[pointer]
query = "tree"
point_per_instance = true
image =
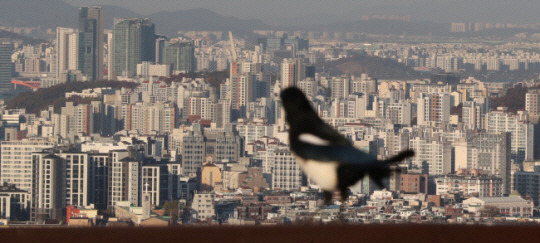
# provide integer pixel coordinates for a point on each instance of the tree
(36, 101)
(514, 99)
(172, 208)
(489, 211)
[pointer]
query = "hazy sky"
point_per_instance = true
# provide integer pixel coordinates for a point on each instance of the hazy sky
(280, 11)
(240, 8)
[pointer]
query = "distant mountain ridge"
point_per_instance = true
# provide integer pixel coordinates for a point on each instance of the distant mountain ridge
(14, 36)
(203, 19)
(57, 13)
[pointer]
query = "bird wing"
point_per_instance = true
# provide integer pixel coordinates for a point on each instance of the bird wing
(313, 139)
(323, 132)
(335, 153)
(319, 141)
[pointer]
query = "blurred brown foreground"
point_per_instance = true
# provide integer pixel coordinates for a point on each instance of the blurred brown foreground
(282, 234)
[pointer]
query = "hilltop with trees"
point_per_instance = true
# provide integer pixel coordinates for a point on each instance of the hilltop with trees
(36, 101)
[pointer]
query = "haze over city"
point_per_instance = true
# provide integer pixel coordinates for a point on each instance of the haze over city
(308, 12)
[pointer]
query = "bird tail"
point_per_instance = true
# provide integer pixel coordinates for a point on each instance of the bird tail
(383, 170)
(399, 157)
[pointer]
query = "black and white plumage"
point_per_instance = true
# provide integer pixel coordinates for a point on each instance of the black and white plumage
(326, 156)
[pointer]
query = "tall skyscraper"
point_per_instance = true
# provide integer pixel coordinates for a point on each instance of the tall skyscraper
(78, 119)
(181, 55)
(67, 45)
(48, 186)
(433, 109)
(160, 50)
(77, 178)
(532, 102)
(242, 92)
(521, 132)
(123, 178)
(244, 79)
(6, 50)
(91, 39)
(341, 87)
(99, 182)
(134, 42)
(110, 50)
(293, 70)
(194, 151)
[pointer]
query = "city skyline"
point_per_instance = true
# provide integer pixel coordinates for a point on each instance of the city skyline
(109, 122)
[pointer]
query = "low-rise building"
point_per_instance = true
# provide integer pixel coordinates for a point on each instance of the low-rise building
(14, 203)
(506, 206)
(479, 186)
(203, 205)
(414, 183)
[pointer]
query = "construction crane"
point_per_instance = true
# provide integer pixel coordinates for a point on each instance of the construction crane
(233, 50)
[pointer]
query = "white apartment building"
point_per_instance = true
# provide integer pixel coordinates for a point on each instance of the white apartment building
(201, 106)
(480, 186)
(160, 117)
(309, 87)
(151, 183)
(433, 109)
(522, 132)
(532, 102)
(340, 87)
(434, 157)
(77, 178)
(203, 204)
(67, 50)
(473, 115)
(223, 112)
(16, 161)
(252, 132)
(243, 90)
(286, 173)
(363, 84)
(293, 70)
(147, 69)
(123, 179)
(357, 105)
(489, 152)
(353, 106)
(399, 113)
(48, 187)
(76, 119)
(13, 200)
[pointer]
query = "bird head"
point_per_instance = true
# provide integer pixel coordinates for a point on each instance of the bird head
(295, 102)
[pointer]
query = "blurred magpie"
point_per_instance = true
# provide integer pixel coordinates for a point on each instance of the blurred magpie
(326, 156)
